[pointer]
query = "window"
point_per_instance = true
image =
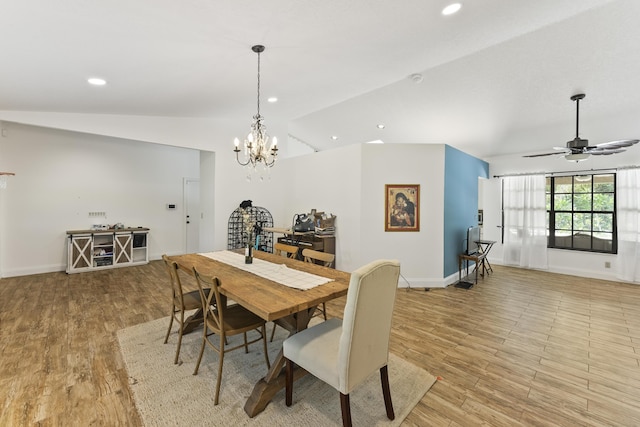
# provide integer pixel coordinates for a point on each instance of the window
(581, 212)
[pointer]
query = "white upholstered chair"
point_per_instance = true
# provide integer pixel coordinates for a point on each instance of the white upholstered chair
(343, 353)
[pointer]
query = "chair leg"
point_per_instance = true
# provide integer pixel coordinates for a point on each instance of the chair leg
(219, 379)
(175, 361)
(386, 392)
(246, 346)
(180, 331)
(166, 338)
(288, 382)
(204, 342)
(345, 405)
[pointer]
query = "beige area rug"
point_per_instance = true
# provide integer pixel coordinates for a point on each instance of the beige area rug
(167, 394)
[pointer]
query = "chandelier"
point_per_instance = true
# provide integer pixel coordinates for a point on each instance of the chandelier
(255, 144)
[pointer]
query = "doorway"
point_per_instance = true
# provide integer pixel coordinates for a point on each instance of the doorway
(191, 191)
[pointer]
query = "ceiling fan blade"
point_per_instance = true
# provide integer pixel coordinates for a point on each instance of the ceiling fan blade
(545, 154)
(605, 152)
(578, 149)
(617, 144)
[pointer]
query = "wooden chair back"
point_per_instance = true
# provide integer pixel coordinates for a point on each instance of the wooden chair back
(176, 284)
(181, 302)
(210, 303)
(325, 258)
(288, 250)
(222, 321)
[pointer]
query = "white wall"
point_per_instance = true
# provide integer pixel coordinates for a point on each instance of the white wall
(420, 253)
(232, 187)
(61, 176)
(577, 263)
(188, 132)
(64, 175)
(349, 182)
(328, 181)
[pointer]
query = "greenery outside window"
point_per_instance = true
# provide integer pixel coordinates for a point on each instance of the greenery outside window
(581, 212)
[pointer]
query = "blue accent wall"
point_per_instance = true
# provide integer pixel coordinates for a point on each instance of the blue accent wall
(461, 173)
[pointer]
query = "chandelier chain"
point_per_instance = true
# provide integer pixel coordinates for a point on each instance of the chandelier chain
(258, 83)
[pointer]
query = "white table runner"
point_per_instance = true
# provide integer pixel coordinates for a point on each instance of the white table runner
(279, 273)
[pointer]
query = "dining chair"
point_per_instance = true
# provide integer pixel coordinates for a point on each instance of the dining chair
(290, 251)
(325, 259)
(225, 321)
(180, 302)
(343, 353)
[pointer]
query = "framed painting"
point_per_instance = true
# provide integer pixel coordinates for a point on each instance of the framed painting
(402, 207)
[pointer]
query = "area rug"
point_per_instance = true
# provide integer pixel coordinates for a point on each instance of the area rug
(167, 394)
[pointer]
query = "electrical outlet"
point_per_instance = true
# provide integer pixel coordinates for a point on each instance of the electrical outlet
(607, 264)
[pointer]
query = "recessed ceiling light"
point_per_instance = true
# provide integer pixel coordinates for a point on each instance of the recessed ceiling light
(272, 99)
(334, 137)
(97, 81)
(451, 9)
(376, 141)
(380, 126)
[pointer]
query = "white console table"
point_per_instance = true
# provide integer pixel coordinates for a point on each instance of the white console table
(89, 250)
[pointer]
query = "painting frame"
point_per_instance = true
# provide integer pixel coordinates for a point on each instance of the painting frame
(399, 201)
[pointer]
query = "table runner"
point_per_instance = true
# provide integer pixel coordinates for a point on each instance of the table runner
(279, 273)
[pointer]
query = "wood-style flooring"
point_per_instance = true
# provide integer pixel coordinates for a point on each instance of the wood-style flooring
(519, 348)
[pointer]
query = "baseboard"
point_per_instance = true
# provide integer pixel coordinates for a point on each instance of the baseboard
(27, 271)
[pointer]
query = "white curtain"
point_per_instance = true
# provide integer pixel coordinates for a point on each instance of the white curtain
(525, 223)
(628, 209)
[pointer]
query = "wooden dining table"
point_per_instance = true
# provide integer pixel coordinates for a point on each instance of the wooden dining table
(288, 307)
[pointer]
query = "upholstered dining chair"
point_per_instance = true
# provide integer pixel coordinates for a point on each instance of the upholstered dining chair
(325, 259)
(180, 302)
(343, 353)
(225, 321)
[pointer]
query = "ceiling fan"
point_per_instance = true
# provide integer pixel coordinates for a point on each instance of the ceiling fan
(578, 149)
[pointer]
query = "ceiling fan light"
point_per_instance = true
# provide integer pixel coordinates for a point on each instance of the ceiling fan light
(577, 157)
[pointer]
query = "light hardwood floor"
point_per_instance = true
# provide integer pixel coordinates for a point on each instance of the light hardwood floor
(519, 348)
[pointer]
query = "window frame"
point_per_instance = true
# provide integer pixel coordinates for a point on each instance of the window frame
(550, 193)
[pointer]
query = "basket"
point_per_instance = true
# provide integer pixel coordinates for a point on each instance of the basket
(326, 222)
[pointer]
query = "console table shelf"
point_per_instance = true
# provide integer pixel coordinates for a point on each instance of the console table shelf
(90, 250)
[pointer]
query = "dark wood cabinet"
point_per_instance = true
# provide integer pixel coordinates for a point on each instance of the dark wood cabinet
(311, 241)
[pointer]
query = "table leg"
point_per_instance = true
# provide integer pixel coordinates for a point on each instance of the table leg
(489, 269)
(192, 322)
(274, 381)
(476, 270)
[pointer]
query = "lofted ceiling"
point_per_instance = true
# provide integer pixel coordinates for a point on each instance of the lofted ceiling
(492, 75)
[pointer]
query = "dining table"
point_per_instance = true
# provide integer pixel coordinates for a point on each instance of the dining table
(284, 304)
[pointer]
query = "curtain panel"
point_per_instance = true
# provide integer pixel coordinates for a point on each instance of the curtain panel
(628, 220)
(525, 221)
